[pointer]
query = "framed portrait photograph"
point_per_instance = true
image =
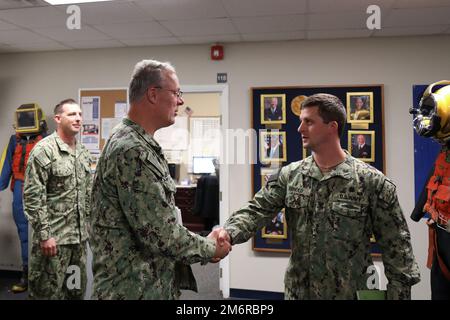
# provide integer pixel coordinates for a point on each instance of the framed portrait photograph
(274, 236)
(360, 107)
(361, 145)
(276, 229)
(272, 146)
(273, 108)
(266, 173)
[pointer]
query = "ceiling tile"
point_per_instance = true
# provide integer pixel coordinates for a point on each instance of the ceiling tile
(338, 34)
(417, 17)
(331, 6)
(156, 41)
(11, 4)
(409, 31)
(270, 24)
(40, 46)
(241, 8)
(20, 36)
(185, 10)
(42, 17)
(295, 35)
(134, 30)
(420, 3)
(91, 44)
(112, 12)
(343, 20)
(167, 22)
(10, 50)
(5, 48)
(211, 39)
(7, 26)
(85, 33)
(199, 27)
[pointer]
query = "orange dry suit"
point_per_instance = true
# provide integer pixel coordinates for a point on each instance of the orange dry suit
(438, 206)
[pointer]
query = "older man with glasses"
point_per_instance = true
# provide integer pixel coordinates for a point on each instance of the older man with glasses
(141, 250)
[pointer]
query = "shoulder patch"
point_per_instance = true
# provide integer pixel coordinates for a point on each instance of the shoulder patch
(149, 160)
(388, 192)
(274, 177)
(42, 158)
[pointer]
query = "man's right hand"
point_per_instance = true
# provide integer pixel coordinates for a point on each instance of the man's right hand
(223, 245)
(220, 235)
(48, 247)
(221, 251)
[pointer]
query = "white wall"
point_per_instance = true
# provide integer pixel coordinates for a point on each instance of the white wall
(398, 63)
(203, 104)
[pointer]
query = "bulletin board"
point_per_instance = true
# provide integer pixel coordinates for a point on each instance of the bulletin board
(275, 118)
(109, 106)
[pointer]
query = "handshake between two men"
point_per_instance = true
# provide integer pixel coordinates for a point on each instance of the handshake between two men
(223, 243)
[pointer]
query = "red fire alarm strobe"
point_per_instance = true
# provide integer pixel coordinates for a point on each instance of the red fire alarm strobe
(217, 52)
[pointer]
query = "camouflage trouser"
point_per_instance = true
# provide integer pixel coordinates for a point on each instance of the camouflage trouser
(50, 278)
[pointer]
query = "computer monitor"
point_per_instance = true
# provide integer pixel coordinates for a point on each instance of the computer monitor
(203, 165)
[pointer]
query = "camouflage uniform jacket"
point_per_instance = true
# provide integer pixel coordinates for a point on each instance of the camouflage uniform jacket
(330, 219)
(139, 249)
(57, 191)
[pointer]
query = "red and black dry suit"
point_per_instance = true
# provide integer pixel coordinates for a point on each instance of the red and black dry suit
(12, 168)
(435, 200)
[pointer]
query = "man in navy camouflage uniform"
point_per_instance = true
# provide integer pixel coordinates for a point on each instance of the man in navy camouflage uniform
(57, 192)
(333, 203)
(140, 249)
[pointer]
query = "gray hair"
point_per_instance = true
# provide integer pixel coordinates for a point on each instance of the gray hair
(147, 73)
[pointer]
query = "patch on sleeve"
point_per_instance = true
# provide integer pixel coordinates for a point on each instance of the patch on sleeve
(152, 163)
(42, 159)
(387, 194)
(273, 178)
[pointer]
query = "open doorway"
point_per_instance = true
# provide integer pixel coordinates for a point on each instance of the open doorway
(206, 108)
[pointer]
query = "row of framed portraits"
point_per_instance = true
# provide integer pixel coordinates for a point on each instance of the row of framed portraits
(273, 146)
(275, 116)
(360, 108)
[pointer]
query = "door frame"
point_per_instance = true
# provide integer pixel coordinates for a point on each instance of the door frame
(222, 89)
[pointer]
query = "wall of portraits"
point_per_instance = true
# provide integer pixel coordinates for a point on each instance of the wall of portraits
(275, 117)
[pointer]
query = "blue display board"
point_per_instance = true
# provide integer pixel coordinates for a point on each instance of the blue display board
(425, 149)
(280, 127)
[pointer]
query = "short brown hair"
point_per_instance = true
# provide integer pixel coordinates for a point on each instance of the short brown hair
(59, 106)
(330, 109)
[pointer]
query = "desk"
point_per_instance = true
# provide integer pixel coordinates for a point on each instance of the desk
(185, 200)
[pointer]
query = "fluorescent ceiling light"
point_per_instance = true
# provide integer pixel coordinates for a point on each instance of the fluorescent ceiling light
(57, 2)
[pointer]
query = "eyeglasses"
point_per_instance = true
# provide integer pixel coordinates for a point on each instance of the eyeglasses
(178, 93)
